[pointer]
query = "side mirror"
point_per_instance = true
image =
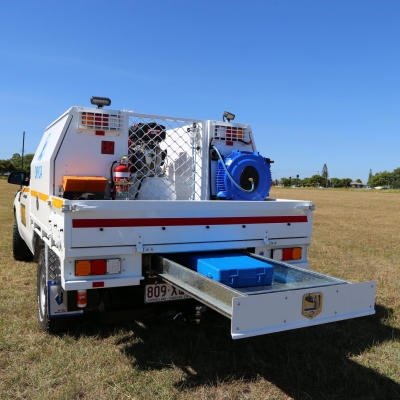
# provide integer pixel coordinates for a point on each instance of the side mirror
(18, 178)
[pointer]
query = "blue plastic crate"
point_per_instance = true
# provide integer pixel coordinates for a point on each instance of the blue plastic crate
(231, 268)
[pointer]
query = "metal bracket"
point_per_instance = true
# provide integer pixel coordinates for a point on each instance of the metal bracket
(266, 241)
(139, 244)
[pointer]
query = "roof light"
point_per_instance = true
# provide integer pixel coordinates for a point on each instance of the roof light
(100, 102)
(229, 116)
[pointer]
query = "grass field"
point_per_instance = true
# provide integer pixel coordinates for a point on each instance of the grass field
(356, 237)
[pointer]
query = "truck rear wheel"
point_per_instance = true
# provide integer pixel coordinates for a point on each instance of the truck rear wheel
(50, 325)
(20, 249)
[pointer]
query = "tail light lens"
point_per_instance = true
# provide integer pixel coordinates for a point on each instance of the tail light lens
(97, 267)
(287, 254)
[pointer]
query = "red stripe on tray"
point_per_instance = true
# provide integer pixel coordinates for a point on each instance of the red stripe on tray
(136, 222)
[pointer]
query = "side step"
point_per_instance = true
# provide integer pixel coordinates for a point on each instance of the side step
(297, 298)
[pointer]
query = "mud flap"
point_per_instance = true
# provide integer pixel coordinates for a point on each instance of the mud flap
(55, 304)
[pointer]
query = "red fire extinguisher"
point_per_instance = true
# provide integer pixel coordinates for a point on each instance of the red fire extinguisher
(121, 174)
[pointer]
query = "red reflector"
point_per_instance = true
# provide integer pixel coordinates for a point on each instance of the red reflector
(229, 143)
(107, 147)
(100, 133)
(287, 254)
(97, 284)
(99, 267)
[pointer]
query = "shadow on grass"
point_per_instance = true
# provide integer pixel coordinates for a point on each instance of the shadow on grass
(310, 363)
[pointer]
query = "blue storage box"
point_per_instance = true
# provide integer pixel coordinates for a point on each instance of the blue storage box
(231, 268)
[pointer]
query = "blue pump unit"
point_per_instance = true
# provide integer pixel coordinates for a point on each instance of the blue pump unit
(250, 171)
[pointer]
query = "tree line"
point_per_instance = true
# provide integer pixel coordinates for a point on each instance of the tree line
(316, 181)
(385, 178)
(15, 164)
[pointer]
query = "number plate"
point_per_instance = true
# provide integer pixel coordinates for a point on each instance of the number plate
(163, 292)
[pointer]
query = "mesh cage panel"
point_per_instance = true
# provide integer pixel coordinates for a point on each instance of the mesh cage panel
(164, 159)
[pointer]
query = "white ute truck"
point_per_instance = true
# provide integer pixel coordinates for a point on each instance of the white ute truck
(136, 215)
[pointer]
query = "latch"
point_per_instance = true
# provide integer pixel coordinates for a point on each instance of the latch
(304, 207)
(65, 208)
(312, 304)
(77, 207)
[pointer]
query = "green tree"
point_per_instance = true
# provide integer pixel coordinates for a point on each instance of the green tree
(345, 182)
(369, 176)
(359, 180)
(381, 179)
(325, 174)
(318, 180)
(16, 160)
(6, 166)
(27, 162)
(395, 183)
(285, 182)
(306, 182)
(335, 182)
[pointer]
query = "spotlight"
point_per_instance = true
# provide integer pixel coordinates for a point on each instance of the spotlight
(229, 116)
(100, 102)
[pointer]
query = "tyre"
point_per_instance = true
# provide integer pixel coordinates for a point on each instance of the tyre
(50, 325)
(20, 249)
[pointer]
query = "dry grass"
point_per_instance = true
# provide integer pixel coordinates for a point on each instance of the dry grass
(356, 237)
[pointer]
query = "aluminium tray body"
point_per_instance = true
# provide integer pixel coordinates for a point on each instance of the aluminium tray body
(297, 298)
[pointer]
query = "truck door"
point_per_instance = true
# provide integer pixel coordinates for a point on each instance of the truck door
(23, 216)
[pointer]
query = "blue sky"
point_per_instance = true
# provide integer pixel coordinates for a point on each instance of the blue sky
(318, 81)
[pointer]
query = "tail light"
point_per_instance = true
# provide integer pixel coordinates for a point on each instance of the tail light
(287, 254)
(97, 267)
(95, 120)
(234, 133)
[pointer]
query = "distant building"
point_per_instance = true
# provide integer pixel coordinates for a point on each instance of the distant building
(358, 185)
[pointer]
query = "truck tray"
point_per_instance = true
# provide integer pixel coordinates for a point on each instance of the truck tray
(297, 298)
